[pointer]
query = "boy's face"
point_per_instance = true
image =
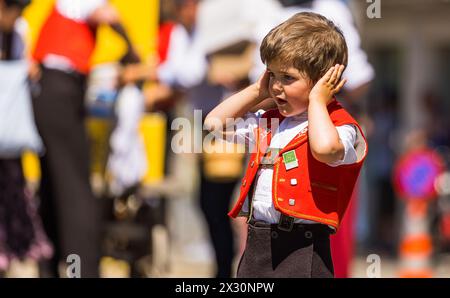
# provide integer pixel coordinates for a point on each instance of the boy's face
(289, 88)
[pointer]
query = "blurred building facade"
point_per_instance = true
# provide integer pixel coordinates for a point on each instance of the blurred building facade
(409, 47)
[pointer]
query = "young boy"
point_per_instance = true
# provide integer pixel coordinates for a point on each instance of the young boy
(301, 175)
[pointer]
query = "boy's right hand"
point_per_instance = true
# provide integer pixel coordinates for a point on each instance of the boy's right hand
(262, 86)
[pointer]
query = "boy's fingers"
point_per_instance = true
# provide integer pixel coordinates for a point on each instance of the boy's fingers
(341, 70)
(263, 74)
(334, 75)
(264, 78)
(327, 76)
(340, 85)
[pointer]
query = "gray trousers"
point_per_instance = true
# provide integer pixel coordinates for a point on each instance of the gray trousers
(273, 253)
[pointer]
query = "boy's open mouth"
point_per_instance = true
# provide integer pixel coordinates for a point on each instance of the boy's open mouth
(280, 101)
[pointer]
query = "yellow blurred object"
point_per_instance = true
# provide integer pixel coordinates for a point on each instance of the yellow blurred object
(153, 130)
(110, 46)
(99, 131)
(223, 161)
(31, 167)
(35, 14)
(140, 19)
(114, 268)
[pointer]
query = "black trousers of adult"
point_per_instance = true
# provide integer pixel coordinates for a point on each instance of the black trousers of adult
(68, 208)
(215, 200)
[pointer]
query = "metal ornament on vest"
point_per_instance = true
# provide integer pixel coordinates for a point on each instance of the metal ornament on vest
(303, 187)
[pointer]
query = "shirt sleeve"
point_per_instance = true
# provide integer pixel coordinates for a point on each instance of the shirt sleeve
(348, 137)
(245, 131)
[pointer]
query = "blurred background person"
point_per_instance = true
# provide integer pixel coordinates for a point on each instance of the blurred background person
(21, 233)
(62, 61)
(184, 69)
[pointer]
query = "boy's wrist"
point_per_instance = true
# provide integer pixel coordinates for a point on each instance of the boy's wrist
(318, 99)
(257, 93)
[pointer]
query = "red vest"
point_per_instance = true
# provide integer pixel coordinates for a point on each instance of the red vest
(164, 35)
(65, 37)
(319, 193)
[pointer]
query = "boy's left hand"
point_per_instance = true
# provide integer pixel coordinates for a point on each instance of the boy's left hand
(328, 85)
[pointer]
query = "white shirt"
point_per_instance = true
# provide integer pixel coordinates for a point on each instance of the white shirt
(78, 10)
(262, 203)
(358, 71)
(186, 63)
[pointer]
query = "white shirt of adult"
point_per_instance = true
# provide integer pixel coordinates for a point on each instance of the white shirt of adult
(78, 10)
(185, 65)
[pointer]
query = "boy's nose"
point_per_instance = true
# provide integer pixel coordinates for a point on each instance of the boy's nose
(277, 87)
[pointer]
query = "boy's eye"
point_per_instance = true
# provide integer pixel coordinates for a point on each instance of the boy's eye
(288, 77)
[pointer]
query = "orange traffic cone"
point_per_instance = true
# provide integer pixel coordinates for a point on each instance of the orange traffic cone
(416, 247)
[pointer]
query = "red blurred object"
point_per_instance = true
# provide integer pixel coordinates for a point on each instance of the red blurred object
(67, 38)
(342, 243)
(165, 31)
(416, 245)
(415, 174)
(445, 227)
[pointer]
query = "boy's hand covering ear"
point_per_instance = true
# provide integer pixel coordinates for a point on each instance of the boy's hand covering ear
(263, 86)
(329, 85)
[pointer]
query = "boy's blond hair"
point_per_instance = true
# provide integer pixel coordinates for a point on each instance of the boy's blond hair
(309, 42)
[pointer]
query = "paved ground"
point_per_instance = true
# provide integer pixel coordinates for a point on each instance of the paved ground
(182, 267)
(182, 248)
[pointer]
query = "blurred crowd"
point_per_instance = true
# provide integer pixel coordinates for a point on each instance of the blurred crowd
(108, 177)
